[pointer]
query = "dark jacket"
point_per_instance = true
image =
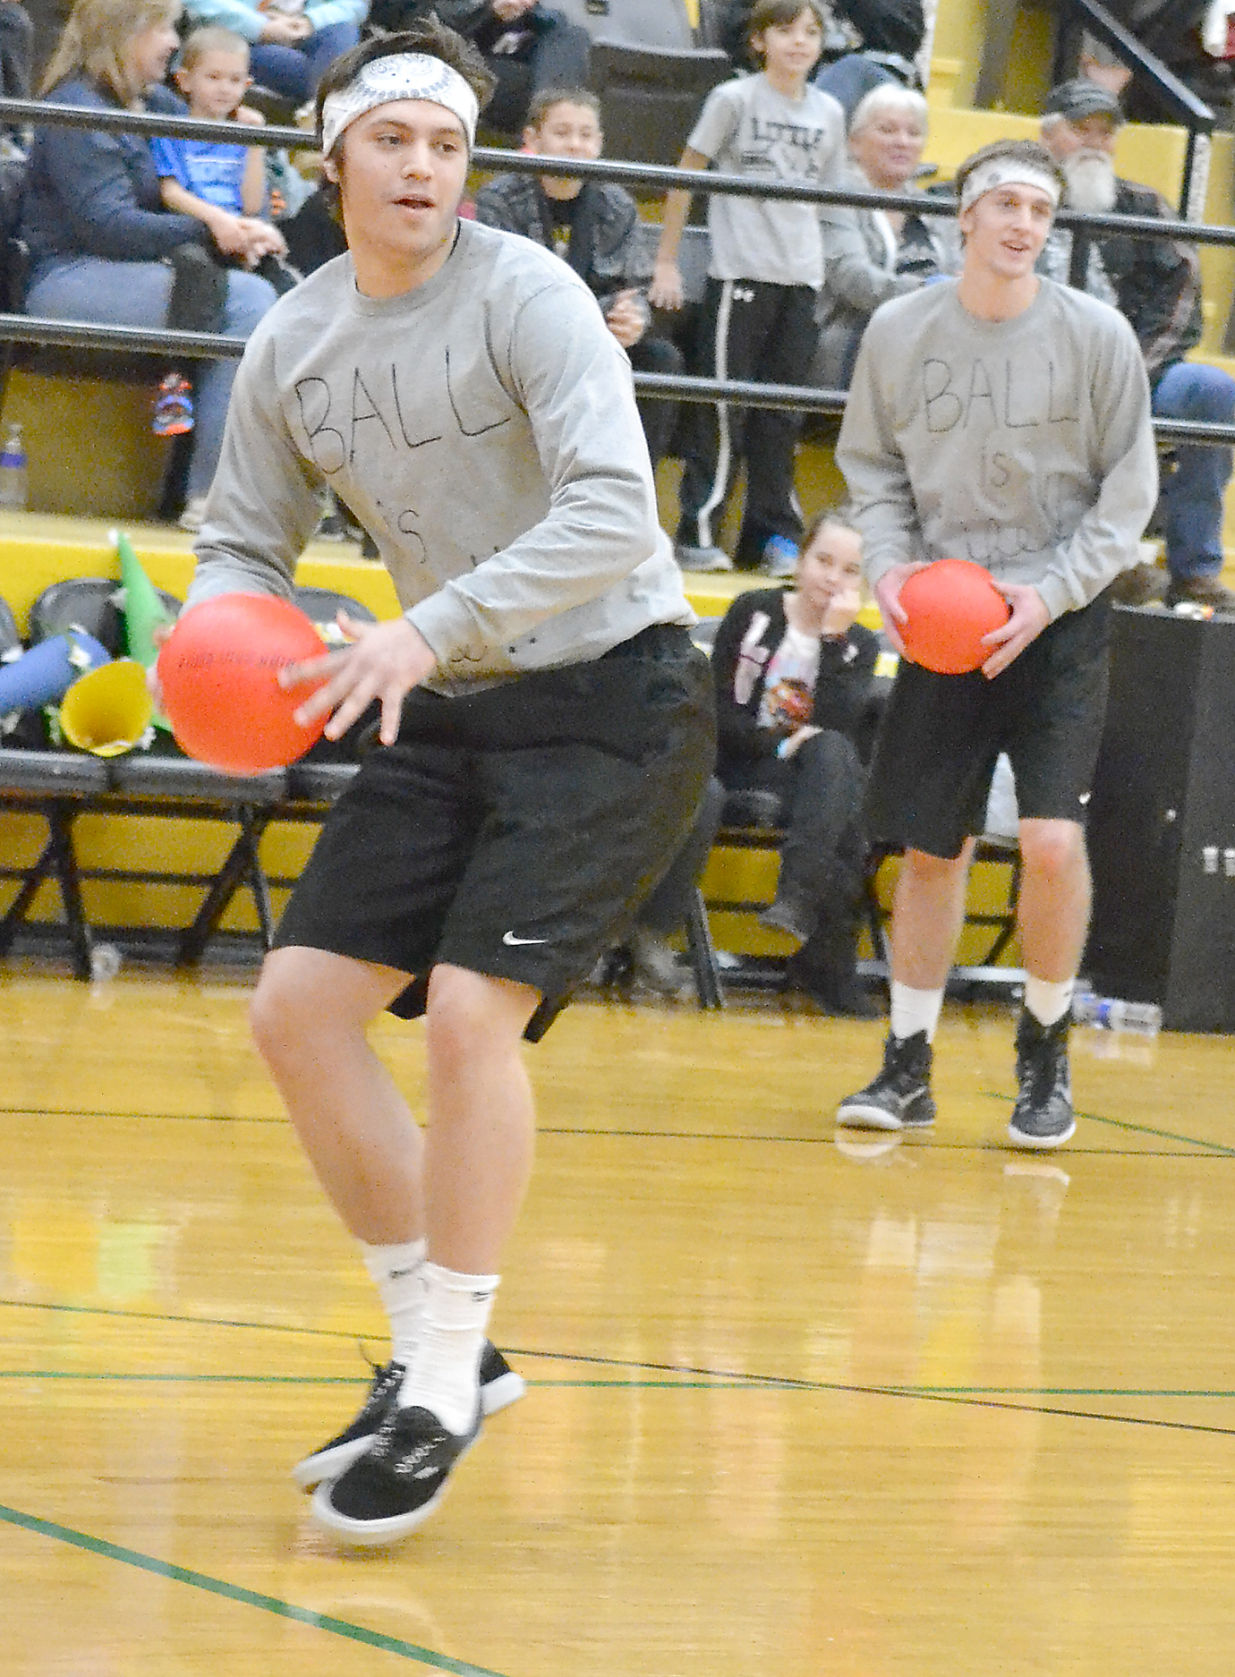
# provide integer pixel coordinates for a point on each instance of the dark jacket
(474, 19)
(1157, 282)
(605, 249)
(749, 634)
(95, 194)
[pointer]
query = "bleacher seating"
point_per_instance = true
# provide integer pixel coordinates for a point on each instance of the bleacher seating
(650, 96)
(637, 23)
(740, 880)
(62, 787)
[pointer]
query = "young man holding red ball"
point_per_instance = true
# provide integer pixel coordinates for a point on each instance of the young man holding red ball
(1004, 419)
(546, 725)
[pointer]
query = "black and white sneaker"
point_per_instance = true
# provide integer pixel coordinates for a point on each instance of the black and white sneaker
(900, 1097)
(500, 1386)
(1042, 1116)
(398, 1481)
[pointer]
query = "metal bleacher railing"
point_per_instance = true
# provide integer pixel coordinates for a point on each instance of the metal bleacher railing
(21, 328)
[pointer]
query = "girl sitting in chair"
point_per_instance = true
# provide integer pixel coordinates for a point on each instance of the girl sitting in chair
(793, 673)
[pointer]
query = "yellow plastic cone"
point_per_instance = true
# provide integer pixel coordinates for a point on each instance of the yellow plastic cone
(107, 710)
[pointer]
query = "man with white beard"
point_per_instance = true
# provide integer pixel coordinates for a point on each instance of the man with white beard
(1156, 283)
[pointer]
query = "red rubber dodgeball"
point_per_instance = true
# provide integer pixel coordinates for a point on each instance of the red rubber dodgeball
(219, 673)
(951, 605)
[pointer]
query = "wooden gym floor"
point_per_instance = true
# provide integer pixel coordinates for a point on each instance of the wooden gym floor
(797, 1406)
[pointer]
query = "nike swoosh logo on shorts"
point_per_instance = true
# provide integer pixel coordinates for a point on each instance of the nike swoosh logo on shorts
(512, 940)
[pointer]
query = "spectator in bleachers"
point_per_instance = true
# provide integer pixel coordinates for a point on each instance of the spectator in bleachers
(874, 254)
(1177, 32)
(101, 244)
(758, 314)
(889, 27)
(527, 47)
(885, 36)
(594, 226)
(793, 672)
(220, 184)
(291, 41)
(1156, 283)
(312, 233)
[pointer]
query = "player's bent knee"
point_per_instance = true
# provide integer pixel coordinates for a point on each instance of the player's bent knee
(468, 1011)
(282, 1006)
(304, 995)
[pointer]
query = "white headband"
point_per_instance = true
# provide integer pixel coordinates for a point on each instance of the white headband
(1006, 171)
(400, 75)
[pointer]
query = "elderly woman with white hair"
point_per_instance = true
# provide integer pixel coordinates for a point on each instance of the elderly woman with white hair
(874, 254)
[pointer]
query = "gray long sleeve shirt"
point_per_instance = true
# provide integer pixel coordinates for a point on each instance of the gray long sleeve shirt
(483, 428)
(1024, 444)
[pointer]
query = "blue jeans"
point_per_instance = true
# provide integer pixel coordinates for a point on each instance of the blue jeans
(105, 293)
(1192, 495)
(294, 72)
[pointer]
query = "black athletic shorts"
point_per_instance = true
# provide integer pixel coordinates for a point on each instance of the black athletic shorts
(515, 831)
(941, 735)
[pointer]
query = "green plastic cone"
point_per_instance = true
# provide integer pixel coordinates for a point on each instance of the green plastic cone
(143, 609)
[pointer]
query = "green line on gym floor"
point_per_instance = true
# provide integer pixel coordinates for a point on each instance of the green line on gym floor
(236, 1592)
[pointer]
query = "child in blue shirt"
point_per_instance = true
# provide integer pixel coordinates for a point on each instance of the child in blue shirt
(219, 184)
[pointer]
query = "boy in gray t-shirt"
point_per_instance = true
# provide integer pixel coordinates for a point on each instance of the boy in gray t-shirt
(758, 316)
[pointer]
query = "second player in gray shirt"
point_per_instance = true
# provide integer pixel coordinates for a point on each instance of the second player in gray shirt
(1021, 444)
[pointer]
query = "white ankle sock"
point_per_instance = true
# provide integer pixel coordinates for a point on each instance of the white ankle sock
(445, 1376)
(1048, 1001)
(914, 1011)
(397, 1274)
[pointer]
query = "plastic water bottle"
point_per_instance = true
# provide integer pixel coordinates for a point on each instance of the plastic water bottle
(13, 471)
(105, 962)
(1111, 1014)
